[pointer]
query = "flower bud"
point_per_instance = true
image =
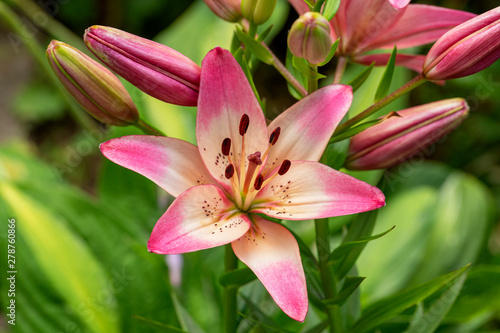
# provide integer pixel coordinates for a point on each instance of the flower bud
(93, 86)
(257, 11)
(466, 49)
(396, 139)
(310, 38)
(228, 10)
(152, 67)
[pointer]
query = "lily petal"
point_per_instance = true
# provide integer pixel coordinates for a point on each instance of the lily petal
(198, 219)
(311, 190)
(225, 96)
(307, 125)
(173, 164)
(272, 253)
(398, 4)
(413, 62)
(362, 21)
(420, 25)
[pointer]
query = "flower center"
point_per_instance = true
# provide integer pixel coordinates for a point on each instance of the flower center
(247, 178)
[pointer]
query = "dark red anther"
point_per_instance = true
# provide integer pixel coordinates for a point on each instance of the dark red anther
(226, 146)
(229, 171)
(274, 136)
(285, 166)
(255, 158)
(258, 182)
(244, 122)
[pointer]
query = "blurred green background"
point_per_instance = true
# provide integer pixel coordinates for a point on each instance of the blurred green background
(82, 223)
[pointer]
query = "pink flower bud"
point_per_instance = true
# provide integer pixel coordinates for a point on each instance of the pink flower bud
(152, 67)
(309, 37)
(257, 11)
(466, 49)
(229, 10)
(93, 86)
(396, 139)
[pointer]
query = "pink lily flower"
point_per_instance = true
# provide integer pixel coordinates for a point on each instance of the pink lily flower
(366, 25)
(242, 168)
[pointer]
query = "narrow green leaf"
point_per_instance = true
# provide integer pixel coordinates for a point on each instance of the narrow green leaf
(235, 43)
(264, 320)
(330, 9)
(331, 53)
(344, 249)
(433, 317)
(238, 277)
(255, 47)
(361, 226)
(304, 249)
(389, 307)
(349, 133)
(248, 74)
(385, 82)
(63, 258)
(335, 154)
(301, 65)
(264, 33)
(361, 78)
(157, 324)
(187, 322)
(351, 283)
(320, 328)
(296, 73)
(317, 6)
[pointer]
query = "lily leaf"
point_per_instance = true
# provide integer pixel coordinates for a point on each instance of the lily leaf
(361, 226)
(344, 249)
(237, 278)
(354, 130)
(438, 310)
(389, 307)
(331, 53)
(255, 47)
(361, 78)
(159, 325)
(297, 74)
(351, 283)
(335, 154)
(301, 65)
(330, 9)
(385, 82)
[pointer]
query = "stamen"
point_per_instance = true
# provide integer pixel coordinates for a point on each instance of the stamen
(258, 182)
(273, 138)
(229, 171)
(226, 146)
(244, 122)
(285, 166)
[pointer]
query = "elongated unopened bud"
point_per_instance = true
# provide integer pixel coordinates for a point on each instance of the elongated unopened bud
(396, 139)
(154, 68)
(466, 49)
(257, 11)
(310, 38)
(93, 86)
(229, 10)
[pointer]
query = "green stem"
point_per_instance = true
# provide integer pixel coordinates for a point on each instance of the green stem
(278, 65)
(148, 128)
(230, 263)
(339, 71)
(47, 22)
(417, 81)
(327, 278)
(312, 83)
(21, 32)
